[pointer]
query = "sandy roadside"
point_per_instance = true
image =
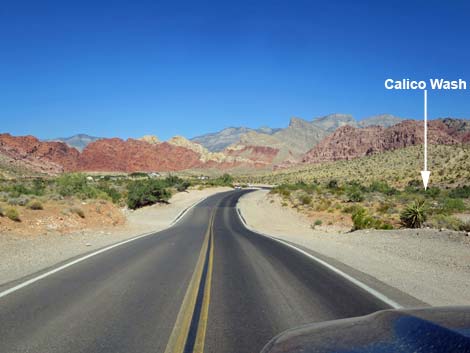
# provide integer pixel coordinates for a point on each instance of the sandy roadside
(21, 256)
(429, 265)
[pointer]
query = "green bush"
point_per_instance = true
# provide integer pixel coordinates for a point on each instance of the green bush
(351, 209)
(111, 192)
(450, 205)
(183, 186)
(35, 205)
(138, 175)
(433, 192)
(146, 192)
(462, 192)
(76, 184)
(382, 187)
(414, 215)
(362, 220)
(355, 196)
(317, 223)
(13, 214)
(18, 190)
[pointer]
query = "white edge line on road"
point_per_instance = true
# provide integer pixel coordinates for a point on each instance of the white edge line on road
(375, 293)
(76, 261)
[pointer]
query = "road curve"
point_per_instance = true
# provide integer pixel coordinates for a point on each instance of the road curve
(207, 284)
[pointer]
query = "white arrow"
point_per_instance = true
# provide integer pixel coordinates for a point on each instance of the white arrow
(425, 173)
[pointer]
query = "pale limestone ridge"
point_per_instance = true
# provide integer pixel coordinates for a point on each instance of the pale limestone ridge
(152, 139)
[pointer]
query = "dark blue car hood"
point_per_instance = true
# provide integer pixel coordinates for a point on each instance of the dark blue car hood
(428, 330)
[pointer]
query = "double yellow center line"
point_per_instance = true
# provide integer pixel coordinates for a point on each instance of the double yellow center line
(189, 333)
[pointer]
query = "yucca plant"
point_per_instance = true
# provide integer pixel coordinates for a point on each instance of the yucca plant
(414, 215)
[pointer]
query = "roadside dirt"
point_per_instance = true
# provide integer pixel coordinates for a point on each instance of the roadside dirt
(61, 217)
(431, 265)
(34, 247)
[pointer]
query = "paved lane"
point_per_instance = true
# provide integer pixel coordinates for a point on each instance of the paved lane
(123, 300)
(261, 288)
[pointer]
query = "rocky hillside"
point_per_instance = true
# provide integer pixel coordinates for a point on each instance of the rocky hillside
(458, 128)
(28, 155)
(349, 142)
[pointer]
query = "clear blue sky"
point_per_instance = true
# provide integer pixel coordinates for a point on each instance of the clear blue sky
(128, 68)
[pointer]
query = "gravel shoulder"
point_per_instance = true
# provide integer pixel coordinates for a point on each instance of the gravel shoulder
(23, 255)
(430, 265)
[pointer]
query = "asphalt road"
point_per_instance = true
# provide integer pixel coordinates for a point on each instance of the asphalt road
(207, 284)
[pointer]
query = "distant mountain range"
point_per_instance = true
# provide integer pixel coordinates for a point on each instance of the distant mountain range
(79, 141)
(300, 135)
(328, 138)
(218, 141)
(312, 131)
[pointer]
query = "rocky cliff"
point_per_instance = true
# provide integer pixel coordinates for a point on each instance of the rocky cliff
(349, 142)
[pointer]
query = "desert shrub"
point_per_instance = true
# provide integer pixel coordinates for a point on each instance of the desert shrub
(282, 190)
(322, 204)
(305, 199)
(445, 221)
(351, 209)
(432, 192)
(111, 192)
(317, 223)
(355, 195)
(332, 184)
(172, 180)
(19, 189)
(146, 192)
(21, 200)
(138, 175)
(13, 214)
(363, 220)
(224, 180)
(414, 214)
(450, 205)
(35, 205)
(2, 212)
(462, 192)
(183, 186)
(386, 207)
(414, 186)
(301, 185)
(38, 187)
(382, 187)
(465, 226)
(75, 184)
(78, 211)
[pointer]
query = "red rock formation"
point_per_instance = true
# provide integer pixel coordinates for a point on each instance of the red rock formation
(348, 142)
(135, 155)
(48, 157)
(257, 154)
